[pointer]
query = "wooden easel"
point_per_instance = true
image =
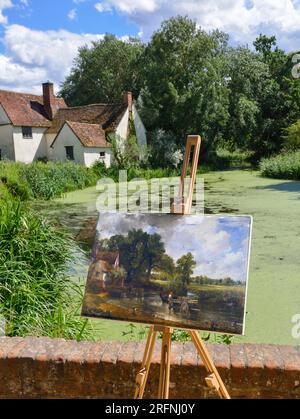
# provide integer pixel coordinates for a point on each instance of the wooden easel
(181, 206)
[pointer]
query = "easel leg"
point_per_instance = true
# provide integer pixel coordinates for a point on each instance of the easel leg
(142, 377)
(214, 380)
(164, 380)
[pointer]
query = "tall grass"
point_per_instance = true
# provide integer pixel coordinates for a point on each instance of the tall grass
(36, 295)
(284, 166)
(45, 180)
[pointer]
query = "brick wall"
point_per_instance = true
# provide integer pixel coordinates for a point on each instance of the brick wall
(46, 368)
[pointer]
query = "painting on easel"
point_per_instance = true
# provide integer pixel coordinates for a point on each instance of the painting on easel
(186, 272)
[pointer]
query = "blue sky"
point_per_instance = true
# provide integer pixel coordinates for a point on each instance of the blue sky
(39, 39)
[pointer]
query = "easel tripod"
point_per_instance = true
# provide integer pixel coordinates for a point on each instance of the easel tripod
(214, 381)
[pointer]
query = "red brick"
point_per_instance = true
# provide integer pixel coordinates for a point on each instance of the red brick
(238, 361)
(273, 372)
(38, 367)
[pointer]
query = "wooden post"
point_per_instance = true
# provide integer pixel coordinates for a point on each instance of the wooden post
(142, 377)
(164, 380)
(183, 203)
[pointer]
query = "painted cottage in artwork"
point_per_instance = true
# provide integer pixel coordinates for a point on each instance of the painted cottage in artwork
(43, 127)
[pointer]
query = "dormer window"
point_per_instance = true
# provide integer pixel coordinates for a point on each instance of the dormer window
(27, 132)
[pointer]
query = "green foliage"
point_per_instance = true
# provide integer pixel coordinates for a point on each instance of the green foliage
(283, 166)
(102, 72)
(164, 152)
(292, 137)
(183, 81)
(188, 81)
(217, 338)
(140, 253)
(185, 267)
(134, 172)
(127, 155)
(51, 180)
(44, 181)
(36, 296)
(135, 332)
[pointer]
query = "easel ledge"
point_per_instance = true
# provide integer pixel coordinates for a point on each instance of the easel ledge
(214, 381)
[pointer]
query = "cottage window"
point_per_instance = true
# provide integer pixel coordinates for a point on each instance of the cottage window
(70, 152)
(27, 132)
(102, 155)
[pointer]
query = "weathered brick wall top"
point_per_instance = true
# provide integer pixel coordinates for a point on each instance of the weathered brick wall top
(46, 368)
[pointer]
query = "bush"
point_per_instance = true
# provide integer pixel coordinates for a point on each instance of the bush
(51, 180)
(163, 150)
(133, 172)
(291, 138)
(44, 180)
(285, 166)
(36, 295)
(16, 189)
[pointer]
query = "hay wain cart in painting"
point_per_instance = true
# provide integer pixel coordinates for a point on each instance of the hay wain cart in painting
(172, 271)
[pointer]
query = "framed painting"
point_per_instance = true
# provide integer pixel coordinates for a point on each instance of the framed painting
(188, 272)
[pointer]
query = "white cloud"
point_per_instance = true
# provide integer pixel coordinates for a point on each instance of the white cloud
(35, 56)
(242, 19)
(4, 4)
(208, 239)
(103, 7)
(72, 15)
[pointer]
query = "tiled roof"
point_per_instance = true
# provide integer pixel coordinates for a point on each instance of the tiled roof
(108, 116)
(90, 135)
(25, 109)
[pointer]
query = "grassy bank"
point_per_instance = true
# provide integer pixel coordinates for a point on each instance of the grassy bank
(44, 180)
(284, 166)
(36, 296)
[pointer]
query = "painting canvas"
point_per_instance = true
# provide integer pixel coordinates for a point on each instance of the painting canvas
(187, 272)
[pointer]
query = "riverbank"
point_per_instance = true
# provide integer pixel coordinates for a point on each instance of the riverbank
(274, 286)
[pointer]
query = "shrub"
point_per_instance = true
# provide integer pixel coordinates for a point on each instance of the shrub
(17, 189)
(291, 137)
(36, 295)
(163, 150)
(285, 166)
(47, 181)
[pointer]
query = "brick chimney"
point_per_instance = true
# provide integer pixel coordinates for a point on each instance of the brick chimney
(49, 99)
(128, 100)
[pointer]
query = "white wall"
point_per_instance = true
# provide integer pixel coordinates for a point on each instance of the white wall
(29, 149)
(67, 138)
(139, 128)
(6, 142)
(3, 117)
(49, 141)
(91, 155)
(123, 127)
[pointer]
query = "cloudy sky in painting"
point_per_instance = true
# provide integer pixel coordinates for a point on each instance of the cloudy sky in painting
(220, 245)
(39, 39)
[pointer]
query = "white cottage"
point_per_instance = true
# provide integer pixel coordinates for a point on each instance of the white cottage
(34, 127)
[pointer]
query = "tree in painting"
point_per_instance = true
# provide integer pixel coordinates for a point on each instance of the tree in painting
(140, 253)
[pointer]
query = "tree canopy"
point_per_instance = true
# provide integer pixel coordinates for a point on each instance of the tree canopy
(102, 72)
(188, 81)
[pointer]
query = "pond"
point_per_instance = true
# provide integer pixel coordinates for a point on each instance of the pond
(274, 286)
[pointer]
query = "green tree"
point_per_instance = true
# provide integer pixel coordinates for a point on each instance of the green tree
(184, 87)
(140, 253)
(291, 137)
(102, 72)
(154, 252)
(184, 268)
